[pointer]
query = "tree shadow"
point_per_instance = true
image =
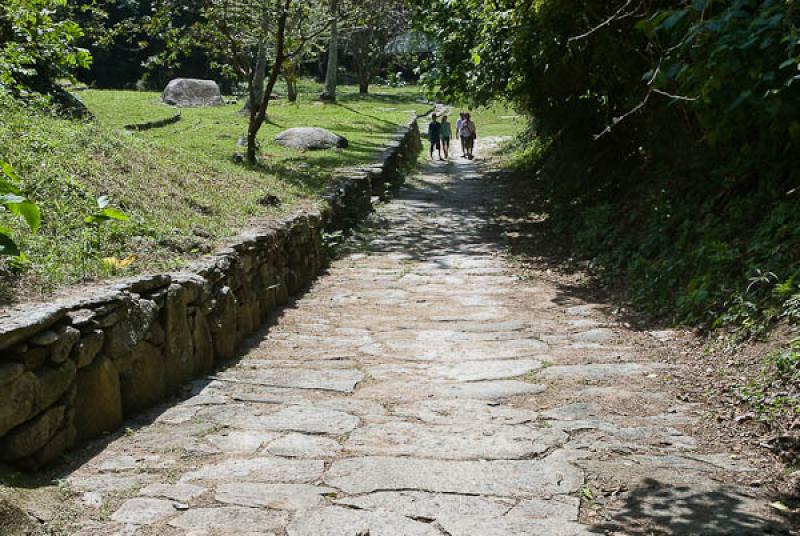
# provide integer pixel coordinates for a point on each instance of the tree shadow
(384, 122)
(314, 175)
(388, 98)
(657, 508)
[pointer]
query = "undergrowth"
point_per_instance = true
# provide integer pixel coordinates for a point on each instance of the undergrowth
(775, 393)
(679, 253)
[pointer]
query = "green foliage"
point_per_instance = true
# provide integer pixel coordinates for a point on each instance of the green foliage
(791, 308)
(13, 201)
(739, 60)
(664, 135)
(787, 362)
(37, 43)
(230, 34)
(105, 213)
(377, 24)
(776, 393)
(121, 45)
(332, 242)
(102, 215)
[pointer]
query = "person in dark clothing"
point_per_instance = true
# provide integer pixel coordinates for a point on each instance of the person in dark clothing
(435, 136)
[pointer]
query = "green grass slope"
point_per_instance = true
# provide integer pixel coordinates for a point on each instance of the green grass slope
(179, 184)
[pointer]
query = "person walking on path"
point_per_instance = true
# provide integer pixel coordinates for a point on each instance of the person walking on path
(447, 133)
(435, 136)
(469, 134)
(458, 133)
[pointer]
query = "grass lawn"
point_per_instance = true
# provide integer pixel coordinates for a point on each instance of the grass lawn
(179, 184)
(120, 108)
(210, 135)
(496, 120)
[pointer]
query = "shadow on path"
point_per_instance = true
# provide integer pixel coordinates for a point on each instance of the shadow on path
(656, 508)
(651, 508)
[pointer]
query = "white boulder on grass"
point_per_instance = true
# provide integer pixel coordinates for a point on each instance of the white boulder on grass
(310, 139)
(192, 92)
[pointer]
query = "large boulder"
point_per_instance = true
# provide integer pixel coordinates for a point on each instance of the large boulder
(310, 139)
(192, 92)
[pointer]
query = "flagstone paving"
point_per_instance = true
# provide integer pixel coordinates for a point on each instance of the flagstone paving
(421, 388)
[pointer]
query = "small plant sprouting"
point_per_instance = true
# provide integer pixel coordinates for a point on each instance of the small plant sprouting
(103, 214)
(14, 201)
(788, 361)
(782, 369)
(587, 493)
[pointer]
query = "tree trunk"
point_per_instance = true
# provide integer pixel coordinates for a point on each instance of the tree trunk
(321, 63)
(258, 112)
(362, 64)
(290, 76)
(259, 76)
(329, 94)
(252, 108)
(251, 143)
(291, 89)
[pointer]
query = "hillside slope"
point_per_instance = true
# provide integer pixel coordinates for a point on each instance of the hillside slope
(179, 186)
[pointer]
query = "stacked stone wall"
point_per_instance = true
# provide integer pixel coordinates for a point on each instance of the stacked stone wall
(75, 369)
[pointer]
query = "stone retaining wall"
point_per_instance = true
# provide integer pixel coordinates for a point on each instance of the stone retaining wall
(75, 369)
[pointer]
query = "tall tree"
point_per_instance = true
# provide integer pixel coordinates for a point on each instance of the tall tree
(278, 13)
(378, 24)
(329, 93)
(304, 45)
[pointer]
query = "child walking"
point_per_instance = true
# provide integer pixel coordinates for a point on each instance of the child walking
(447, 133)
(435, 136)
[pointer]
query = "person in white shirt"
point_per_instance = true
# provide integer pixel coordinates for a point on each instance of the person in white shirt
(468, 133)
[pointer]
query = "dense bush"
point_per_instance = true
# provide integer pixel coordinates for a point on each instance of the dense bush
(664, 133)
(38, 44)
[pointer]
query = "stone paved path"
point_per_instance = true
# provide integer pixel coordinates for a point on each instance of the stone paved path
(420, 388)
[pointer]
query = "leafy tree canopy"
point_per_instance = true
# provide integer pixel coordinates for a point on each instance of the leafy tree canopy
(37, 45)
